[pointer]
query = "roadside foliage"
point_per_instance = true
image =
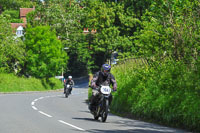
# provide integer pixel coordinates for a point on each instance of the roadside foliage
(166, 92)
(167, 89)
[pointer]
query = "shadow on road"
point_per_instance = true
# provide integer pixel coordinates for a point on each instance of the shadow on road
(86, 119)
(125, 131)
(130, 126)
(135, 127)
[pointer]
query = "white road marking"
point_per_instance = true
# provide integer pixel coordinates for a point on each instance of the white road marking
(44, 114)
(32, 103)
(122, 122)
(34, 108)
(35, 100)
(71, 125)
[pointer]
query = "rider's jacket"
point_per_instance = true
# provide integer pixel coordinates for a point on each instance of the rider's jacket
(70, 82)
(100, 79)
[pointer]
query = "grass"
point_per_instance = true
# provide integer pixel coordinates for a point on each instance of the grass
(167, 93)
(12, 83)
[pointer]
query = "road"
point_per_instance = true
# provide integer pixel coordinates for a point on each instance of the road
(51, 112)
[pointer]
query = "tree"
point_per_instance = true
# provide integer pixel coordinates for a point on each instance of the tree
(64, 18)
(16, 4)
(114, 28)
(171, 27)
(11, 48)
(45, 55)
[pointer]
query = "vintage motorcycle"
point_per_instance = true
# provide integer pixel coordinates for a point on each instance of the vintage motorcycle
(102, 104)
(67, 90)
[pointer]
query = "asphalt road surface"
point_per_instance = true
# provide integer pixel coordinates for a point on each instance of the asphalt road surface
(51, 112)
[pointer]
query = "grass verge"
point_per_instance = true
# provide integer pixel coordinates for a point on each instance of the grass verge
(166, 94)
(12, 83)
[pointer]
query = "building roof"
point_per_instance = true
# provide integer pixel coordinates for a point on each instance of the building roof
(24, 11)
(20, 28)
(16, 25)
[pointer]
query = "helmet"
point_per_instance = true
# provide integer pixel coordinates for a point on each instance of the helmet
(70, 77)
(106, 69)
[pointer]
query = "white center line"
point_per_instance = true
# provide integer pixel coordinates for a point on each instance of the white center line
(35, 100)
(32, 103)
(34, 108)
(44, 114)
(71, 125)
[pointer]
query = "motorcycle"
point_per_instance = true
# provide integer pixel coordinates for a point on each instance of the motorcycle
(67, 90)
(102, 104)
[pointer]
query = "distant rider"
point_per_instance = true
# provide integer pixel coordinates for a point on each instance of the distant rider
(70, 82)
(103, 77)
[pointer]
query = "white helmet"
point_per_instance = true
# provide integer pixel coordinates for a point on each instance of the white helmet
(70, 77)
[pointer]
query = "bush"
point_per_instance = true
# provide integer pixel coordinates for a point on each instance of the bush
(168, 93)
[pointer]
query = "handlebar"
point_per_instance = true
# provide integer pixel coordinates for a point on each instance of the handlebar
(98, 88)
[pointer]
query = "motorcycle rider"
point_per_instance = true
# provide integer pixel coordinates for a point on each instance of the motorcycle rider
(70, 82)
(103, 77)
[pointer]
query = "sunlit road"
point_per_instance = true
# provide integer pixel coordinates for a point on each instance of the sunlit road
(51, 112)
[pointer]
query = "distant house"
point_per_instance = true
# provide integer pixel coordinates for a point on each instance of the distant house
(18, 28)
(24, 12)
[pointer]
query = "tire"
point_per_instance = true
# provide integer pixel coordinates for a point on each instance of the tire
(96, 117)
(96, 113)
(105, 111)
(67, 93)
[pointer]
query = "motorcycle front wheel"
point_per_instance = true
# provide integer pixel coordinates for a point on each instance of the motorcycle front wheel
(96, 113)
(105, 111)
(67, 93)
(96, 117)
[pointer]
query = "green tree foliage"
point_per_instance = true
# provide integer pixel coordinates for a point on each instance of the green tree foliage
(171, 27)
(11, 48)
(107, 19)
(16, 4)
(64, 18)
(12, 16)
(45, 55)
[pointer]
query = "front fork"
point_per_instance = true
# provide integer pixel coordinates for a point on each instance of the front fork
(104, 103)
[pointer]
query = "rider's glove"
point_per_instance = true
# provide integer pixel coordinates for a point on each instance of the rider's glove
(114, 88)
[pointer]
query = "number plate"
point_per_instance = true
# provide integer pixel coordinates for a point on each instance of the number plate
(105, 90)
